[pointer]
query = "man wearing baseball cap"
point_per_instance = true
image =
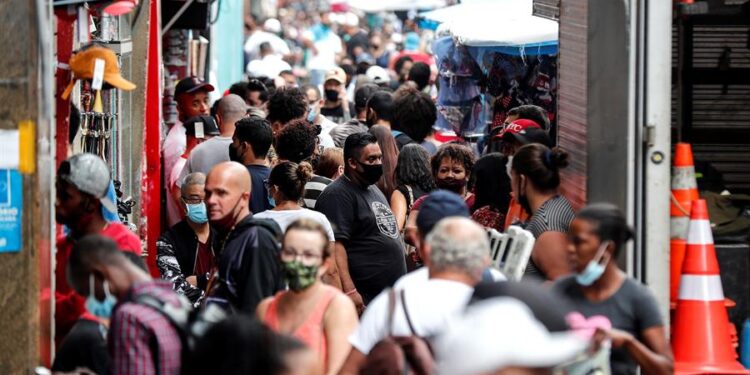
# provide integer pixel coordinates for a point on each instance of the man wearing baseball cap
(81, 191)
(336, 107)
(191, 95)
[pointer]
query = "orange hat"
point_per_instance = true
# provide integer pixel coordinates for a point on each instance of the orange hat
(82, 66)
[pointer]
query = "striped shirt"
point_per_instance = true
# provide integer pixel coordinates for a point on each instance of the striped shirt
(555, 215)
(313, 189)
(142, 341)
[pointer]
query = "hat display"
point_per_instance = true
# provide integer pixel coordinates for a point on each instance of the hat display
(205, 124)
(82, 65)
(337, 74)
(515, 340)
(437, 206)
(89, 174)
(189, 85)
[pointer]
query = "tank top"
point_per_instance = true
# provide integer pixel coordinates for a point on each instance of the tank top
(311, 332)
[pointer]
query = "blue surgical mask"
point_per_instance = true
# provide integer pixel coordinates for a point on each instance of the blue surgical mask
(595, 268)
(311, 114)
(197, 213)
(271, 201)
(101, 309)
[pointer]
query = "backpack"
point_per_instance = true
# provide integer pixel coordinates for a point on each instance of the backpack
(190, 324)
(397, 355)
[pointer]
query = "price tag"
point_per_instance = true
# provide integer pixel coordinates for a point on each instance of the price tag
(199, 130)
(98, 79)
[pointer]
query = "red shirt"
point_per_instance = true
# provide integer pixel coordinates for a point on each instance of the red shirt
(69, 305)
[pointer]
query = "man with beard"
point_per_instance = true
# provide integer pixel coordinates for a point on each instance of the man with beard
(250, 144)
(81, 188)
(249, 269)
(368, 252)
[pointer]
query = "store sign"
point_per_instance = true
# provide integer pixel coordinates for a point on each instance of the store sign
(11, 210)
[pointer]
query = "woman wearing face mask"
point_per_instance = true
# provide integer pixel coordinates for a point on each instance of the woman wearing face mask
(319, 315)
(185, 252)
(599, 287)
(451, 167)
(285, 185)
(535, 178)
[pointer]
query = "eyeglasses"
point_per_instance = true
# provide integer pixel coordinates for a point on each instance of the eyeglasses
(307, 258)
(192, 200)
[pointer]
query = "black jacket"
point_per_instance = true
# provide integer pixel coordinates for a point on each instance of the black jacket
(249, 268)
(175, 258)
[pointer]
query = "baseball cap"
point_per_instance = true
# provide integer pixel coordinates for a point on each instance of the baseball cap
(207, 122)
(82, 65)
(89, 174)
(190, 85)
(378, 75)
(532, 294)
(531, 135)
(509, 336)
(437, 206)
(516, 127)
(272, 25)
(337, 74)
(363, 94)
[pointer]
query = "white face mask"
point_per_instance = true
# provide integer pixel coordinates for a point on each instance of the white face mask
(509, 165)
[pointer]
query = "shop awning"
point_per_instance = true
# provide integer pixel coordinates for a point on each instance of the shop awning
(373, 6)
(471, 9)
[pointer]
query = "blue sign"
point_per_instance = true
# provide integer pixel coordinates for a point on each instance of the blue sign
(11, 210)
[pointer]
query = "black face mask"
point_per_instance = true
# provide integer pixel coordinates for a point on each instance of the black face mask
(332, 95)
(234, 154)
(451, 184)
(371, 173)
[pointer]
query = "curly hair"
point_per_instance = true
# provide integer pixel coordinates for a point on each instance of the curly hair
(286, 104)
(296, 141)
(454, 152)
(413, 168)
(414, 113)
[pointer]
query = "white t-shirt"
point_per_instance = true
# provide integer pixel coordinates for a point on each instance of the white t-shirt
(421, 275)
(431, 306)
(286, 217)
(328, 46)
(173, 211)
(173, 147)
(269, 66)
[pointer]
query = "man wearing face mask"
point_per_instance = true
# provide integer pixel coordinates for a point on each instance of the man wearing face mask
(336, 107)
(141, 339)
(368, 250)
(185, 252)
(248, 255)
(250, 144)
(81, 188)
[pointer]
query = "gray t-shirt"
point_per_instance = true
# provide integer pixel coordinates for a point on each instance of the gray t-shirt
(206, 155)
(632, 308)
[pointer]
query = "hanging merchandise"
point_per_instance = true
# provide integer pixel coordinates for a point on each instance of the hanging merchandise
(459, 101)
(82, 65)
(96, 130)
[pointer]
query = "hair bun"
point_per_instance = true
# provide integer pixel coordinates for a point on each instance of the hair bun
(304, 172)
(558, 158)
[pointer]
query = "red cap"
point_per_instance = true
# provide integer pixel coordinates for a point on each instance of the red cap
(517, 126)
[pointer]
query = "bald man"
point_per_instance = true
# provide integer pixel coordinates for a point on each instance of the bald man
(206, 155)
(249, 269)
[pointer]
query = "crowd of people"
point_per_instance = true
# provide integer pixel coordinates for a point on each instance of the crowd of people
(319, 224)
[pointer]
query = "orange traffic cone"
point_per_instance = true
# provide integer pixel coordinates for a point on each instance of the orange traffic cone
(701, 341)
(684, 190)
(677, 248)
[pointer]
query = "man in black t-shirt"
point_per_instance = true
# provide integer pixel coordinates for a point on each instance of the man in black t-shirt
(368, 252)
